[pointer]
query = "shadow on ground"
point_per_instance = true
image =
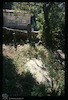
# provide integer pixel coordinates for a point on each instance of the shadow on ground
(15, 84)
(20, 38)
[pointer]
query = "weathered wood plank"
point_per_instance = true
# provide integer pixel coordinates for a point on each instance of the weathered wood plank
(20, 31)
(15, 30)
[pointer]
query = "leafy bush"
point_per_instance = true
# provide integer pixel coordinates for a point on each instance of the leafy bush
(40, 22)
(39, 90)
(53, 32)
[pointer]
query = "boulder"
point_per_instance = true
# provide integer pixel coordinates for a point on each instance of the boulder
(61, 56)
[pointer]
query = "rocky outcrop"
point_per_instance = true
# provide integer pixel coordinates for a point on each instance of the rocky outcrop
(61, 56)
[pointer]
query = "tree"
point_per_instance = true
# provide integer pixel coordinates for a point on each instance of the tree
(33, 8)
(49, 17)
(54, 15)
(46, 31)
(7, 5)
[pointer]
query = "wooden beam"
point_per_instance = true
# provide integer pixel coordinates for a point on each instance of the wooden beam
(14, 37)
(29, 31)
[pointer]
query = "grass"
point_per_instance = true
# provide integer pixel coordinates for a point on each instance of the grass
(56, 71)
(17, 81)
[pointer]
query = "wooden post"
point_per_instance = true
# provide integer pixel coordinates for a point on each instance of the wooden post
(14, 41)
(29, 31)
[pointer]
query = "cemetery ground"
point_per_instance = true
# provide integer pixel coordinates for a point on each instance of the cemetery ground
(32, 70)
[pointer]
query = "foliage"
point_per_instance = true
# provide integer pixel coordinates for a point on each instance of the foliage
(25, 84)
(54, 16)
(49, 17)
(7, 5)
(39, 91)
(56, 72)
(40, 22)
(33, 8)
(30, 7)
(57, 21)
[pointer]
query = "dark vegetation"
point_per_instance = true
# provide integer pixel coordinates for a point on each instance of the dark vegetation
(21, 37)
(7, 5)
(50, 20)
(55, 25)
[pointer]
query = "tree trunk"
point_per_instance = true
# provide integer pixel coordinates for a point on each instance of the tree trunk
(46, 26)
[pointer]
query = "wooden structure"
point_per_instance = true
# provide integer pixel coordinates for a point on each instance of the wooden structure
(12, 20)
(10, 34)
